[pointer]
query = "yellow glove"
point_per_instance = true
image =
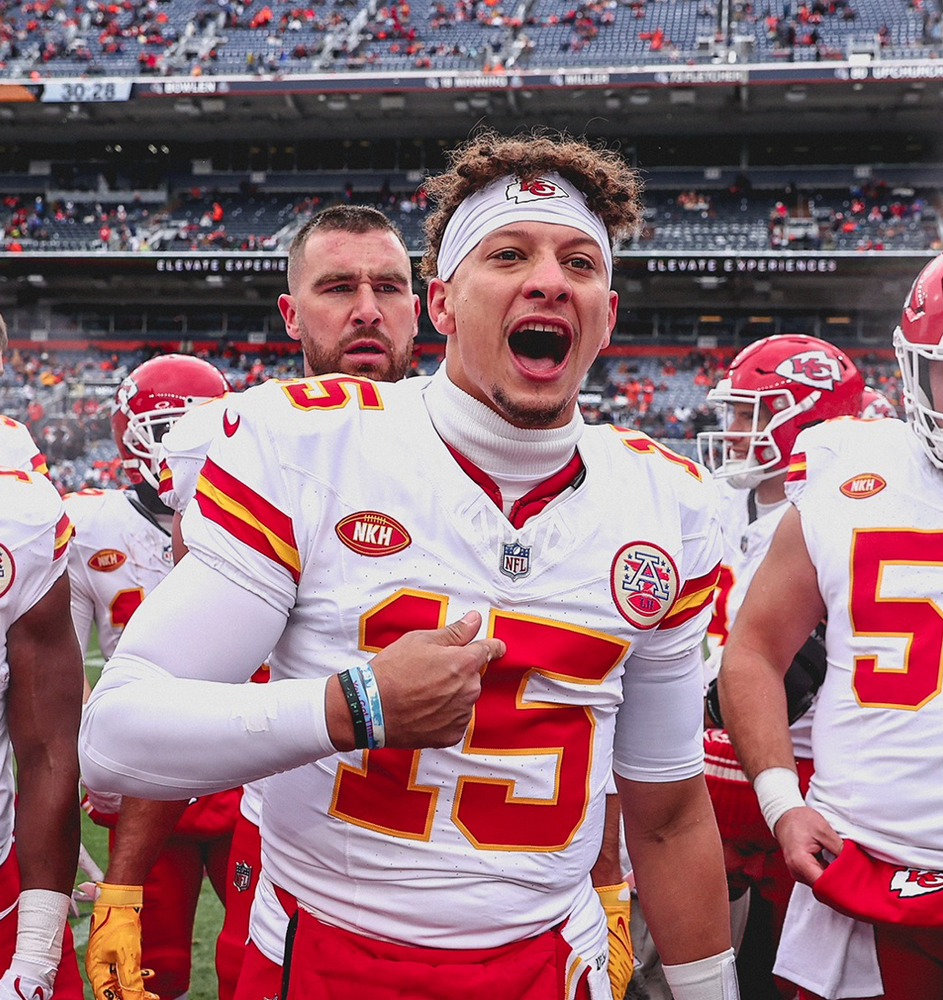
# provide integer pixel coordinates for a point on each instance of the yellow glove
(113, 957)
(616, 901)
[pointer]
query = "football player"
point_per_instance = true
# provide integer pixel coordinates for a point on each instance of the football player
(773, 389)
(122, 551)
(41, 672)
(435, 802)
(860, 543)
(17, 448)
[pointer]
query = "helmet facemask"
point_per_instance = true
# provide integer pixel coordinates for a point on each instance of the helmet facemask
(769, 440)
(915, 362)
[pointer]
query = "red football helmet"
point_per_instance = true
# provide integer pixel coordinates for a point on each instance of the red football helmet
(918, 341)
(875, 405)
(789, 382)
(151, 400)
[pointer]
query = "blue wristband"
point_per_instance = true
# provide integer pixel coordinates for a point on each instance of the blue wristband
(375, 706)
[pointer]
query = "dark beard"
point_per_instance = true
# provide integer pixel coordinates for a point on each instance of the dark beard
(391, 368)
(534, 416)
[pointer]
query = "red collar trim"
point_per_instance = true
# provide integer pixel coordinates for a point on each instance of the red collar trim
(531, 503)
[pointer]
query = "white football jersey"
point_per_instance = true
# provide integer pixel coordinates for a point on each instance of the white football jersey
(336, 502)
(118, 557)
(34, 538)
(18, 449)
(872, 518)
(182, 454)
(734, 519)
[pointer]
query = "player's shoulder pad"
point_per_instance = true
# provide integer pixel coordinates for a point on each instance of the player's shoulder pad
(841, 436)
(197, 427)
(637, 447)
(28, 499)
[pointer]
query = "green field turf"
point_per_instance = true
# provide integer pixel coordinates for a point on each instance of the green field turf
(209, 916)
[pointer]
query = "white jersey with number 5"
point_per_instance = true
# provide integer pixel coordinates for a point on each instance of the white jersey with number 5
(872, 518)
(336, 502)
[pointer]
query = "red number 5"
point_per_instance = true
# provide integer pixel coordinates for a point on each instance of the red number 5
(919, 620)
(383, 794)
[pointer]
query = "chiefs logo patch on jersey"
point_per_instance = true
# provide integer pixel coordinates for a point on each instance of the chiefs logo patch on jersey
(812, 368)
(370, 533)
(7, 569)
(644, 583)
(916, 882)
(536, 190)
(864, 485)
(107, 560)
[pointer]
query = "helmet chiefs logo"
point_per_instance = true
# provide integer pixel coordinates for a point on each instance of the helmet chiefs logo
(814, 368)
(538, 189)
(644, 582)
(370, 533)
(862, 486)
(107, 560)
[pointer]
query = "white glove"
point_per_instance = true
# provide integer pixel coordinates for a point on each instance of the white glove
(26, 981)
(106, 803)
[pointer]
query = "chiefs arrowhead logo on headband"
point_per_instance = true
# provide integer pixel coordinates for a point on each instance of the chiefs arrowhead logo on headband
(535, 190)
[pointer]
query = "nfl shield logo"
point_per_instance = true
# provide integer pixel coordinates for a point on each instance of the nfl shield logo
(243, 876)
(515, 560)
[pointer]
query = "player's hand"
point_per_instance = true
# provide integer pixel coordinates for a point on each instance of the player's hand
(24, 979)
(113, 957)
(803, 834)
(430, 680)
(617, 902)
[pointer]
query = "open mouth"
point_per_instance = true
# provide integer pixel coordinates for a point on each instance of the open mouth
(367, 350)
(540, 347)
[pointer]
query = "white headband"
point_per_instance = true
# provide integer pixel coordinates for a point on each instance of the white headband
(546, 199)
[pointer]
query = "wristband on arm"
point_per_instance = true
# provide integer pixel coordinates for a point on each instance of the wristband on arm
(41, 917)
(711, 978)
(777, 790)
(362, 694)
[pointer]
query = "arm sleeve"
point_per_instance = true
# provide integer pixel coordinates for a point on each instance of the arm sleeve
(151, 732)
(83, 604)
(659, 729)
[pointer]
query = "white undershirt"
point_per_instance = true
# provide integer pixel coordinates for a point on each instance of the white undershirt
(516, 458)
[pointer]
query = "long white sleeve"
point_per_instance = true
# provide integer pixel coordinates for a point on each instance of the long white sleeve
(149, 732)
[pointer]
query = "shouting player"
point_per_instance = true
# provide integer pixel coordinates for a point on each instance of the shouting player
(342, 523)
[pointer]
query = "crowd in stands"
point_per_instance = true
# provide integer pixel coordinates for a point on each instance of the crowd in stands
(196, 37)
(64, 397)
(869, 217)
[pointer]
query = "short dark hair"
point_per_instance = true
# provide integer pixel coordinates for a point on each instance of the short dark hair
(611, 187)
(343, 218)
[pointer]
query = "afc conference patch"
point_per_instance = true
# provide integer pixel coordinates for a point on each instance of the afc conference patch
(644, 582)
(515, 560)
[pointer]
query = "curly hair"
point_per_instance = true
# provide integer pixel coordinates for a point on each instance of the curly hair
(611, 187)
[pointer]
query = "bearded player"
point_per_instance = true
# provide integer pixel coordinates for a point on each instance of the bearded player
(861, 544)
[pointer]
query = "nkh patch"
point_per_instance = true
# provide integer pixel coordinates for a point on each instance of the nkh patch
(242, 876)
(814, 368)
(515, 560)
(644, 582)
